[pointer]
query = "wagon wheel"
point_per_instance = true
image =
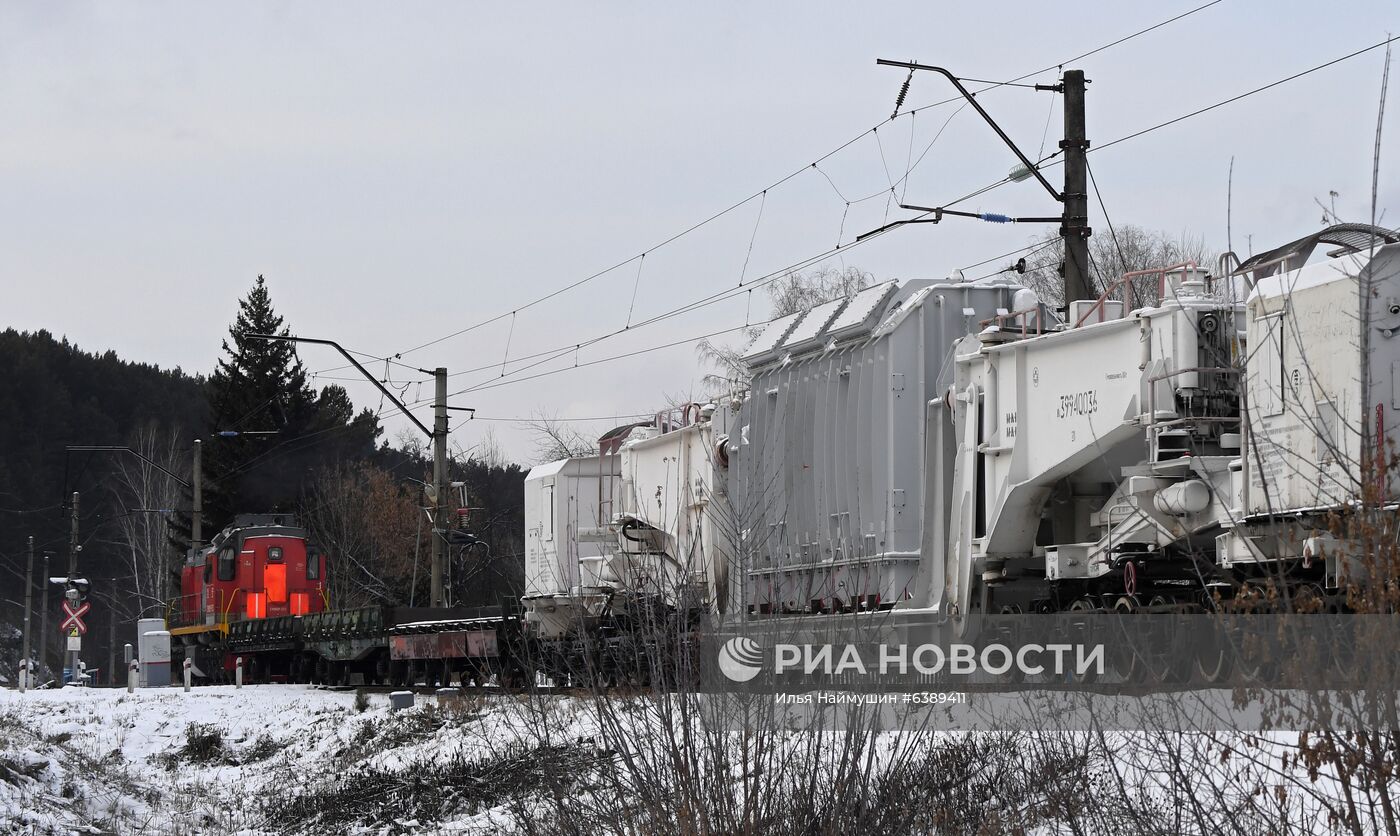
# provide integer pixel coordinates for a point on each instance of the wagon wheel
(1214, 656)
(1127, 660)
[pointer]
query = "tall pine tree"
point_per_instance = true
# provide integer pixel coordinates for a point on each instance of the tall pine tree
(260, 387)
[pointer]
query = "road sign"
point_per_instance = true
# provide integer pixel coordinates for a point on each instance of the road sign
(75, 642)
(74, 619)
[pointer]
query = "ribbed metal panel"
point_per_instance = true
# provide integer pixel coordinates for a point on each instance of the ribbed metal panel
(828, 482)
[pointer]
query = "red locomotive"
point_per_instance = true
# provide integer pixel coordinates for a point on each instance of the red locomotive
(261, 566)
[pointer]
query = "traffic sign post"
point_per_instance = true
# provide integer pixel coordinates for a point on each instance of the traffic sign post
(73, 618)
(72, 626)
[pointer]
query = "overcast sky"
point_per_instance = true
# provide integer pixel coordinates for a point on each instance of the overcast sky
(399, 172)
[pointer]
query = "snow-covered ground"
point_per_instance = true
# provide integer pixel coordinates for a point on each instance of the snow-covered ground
(224, 760)
(287, 759)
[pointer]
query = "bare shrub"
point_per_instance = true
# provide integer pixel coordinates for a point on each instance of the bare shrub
(429, 792)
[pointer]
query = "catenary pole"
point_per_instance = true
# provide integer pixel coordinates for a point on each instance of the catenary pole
(440, 487)
(438, 435)
(1075, 227)
(197, 501)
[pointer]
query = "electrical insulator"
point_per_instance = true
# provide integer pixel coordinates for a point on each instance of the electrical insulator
(903, 91)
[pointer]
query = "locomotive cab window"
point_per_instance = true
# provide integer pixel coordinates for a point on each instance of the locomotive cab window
(228, 565)
(313, 564)
(208, 569)
(274, 554)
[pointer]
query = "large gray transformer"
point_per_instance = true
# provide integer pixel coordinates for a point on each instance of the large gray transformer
(827, 467)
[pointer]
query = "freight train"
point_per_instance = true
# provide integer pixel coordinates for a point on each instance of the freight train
(258, 593)
(1191, 440)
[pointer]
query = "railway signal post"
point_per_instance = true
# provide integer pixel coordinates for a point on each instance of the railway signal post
(75, 641)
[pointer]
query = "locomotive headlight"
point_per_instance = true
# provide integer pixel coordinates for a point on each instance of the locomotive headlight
(274, 554)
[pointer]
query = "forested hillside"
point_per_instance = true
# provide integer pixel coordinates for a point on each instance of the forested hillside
(54, 394)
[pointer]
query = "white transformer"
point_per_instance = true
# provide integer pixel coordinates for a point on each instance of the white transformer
(1322, 395)
(648, 525)
(567, 508)
(675, 533)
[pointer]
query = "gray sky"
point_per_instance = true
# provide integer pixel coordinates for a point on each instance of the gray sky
(402, 171)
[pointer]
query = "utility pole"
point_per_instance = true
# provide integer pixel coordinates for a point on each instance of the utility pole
(28, 598)
(197, 512)
(1075, 228)
(438, 434)
(44, 617)
(73, 538)
(440, 487)
(1074, 200)
(73, 548)
(111, 643)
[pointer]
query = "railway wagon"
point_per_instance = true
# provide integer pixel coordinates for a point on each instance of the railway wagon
(383, 645)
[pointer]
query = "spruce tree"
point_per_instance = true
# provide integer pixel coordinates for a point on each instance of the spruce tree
(260, 387)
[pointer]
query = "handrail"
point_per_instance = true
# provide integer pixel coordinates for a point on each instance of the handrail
(1126, 280)
(1038, 309)
(666, 420)
(226, 610)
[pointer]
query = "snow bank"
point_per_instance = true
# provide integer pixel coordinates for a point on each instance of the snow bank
(225, 760)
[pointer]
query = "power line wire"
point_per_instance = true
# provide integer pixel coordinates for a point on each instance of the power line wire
(492, 384)
(1122, 259)
(725, 294)
(1051, 161)
(815, 164)
(1233, 99)
(542, 357)
(498, 383)
(687, 308)
(564, 420)
(547, 356)
(1109, 144)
